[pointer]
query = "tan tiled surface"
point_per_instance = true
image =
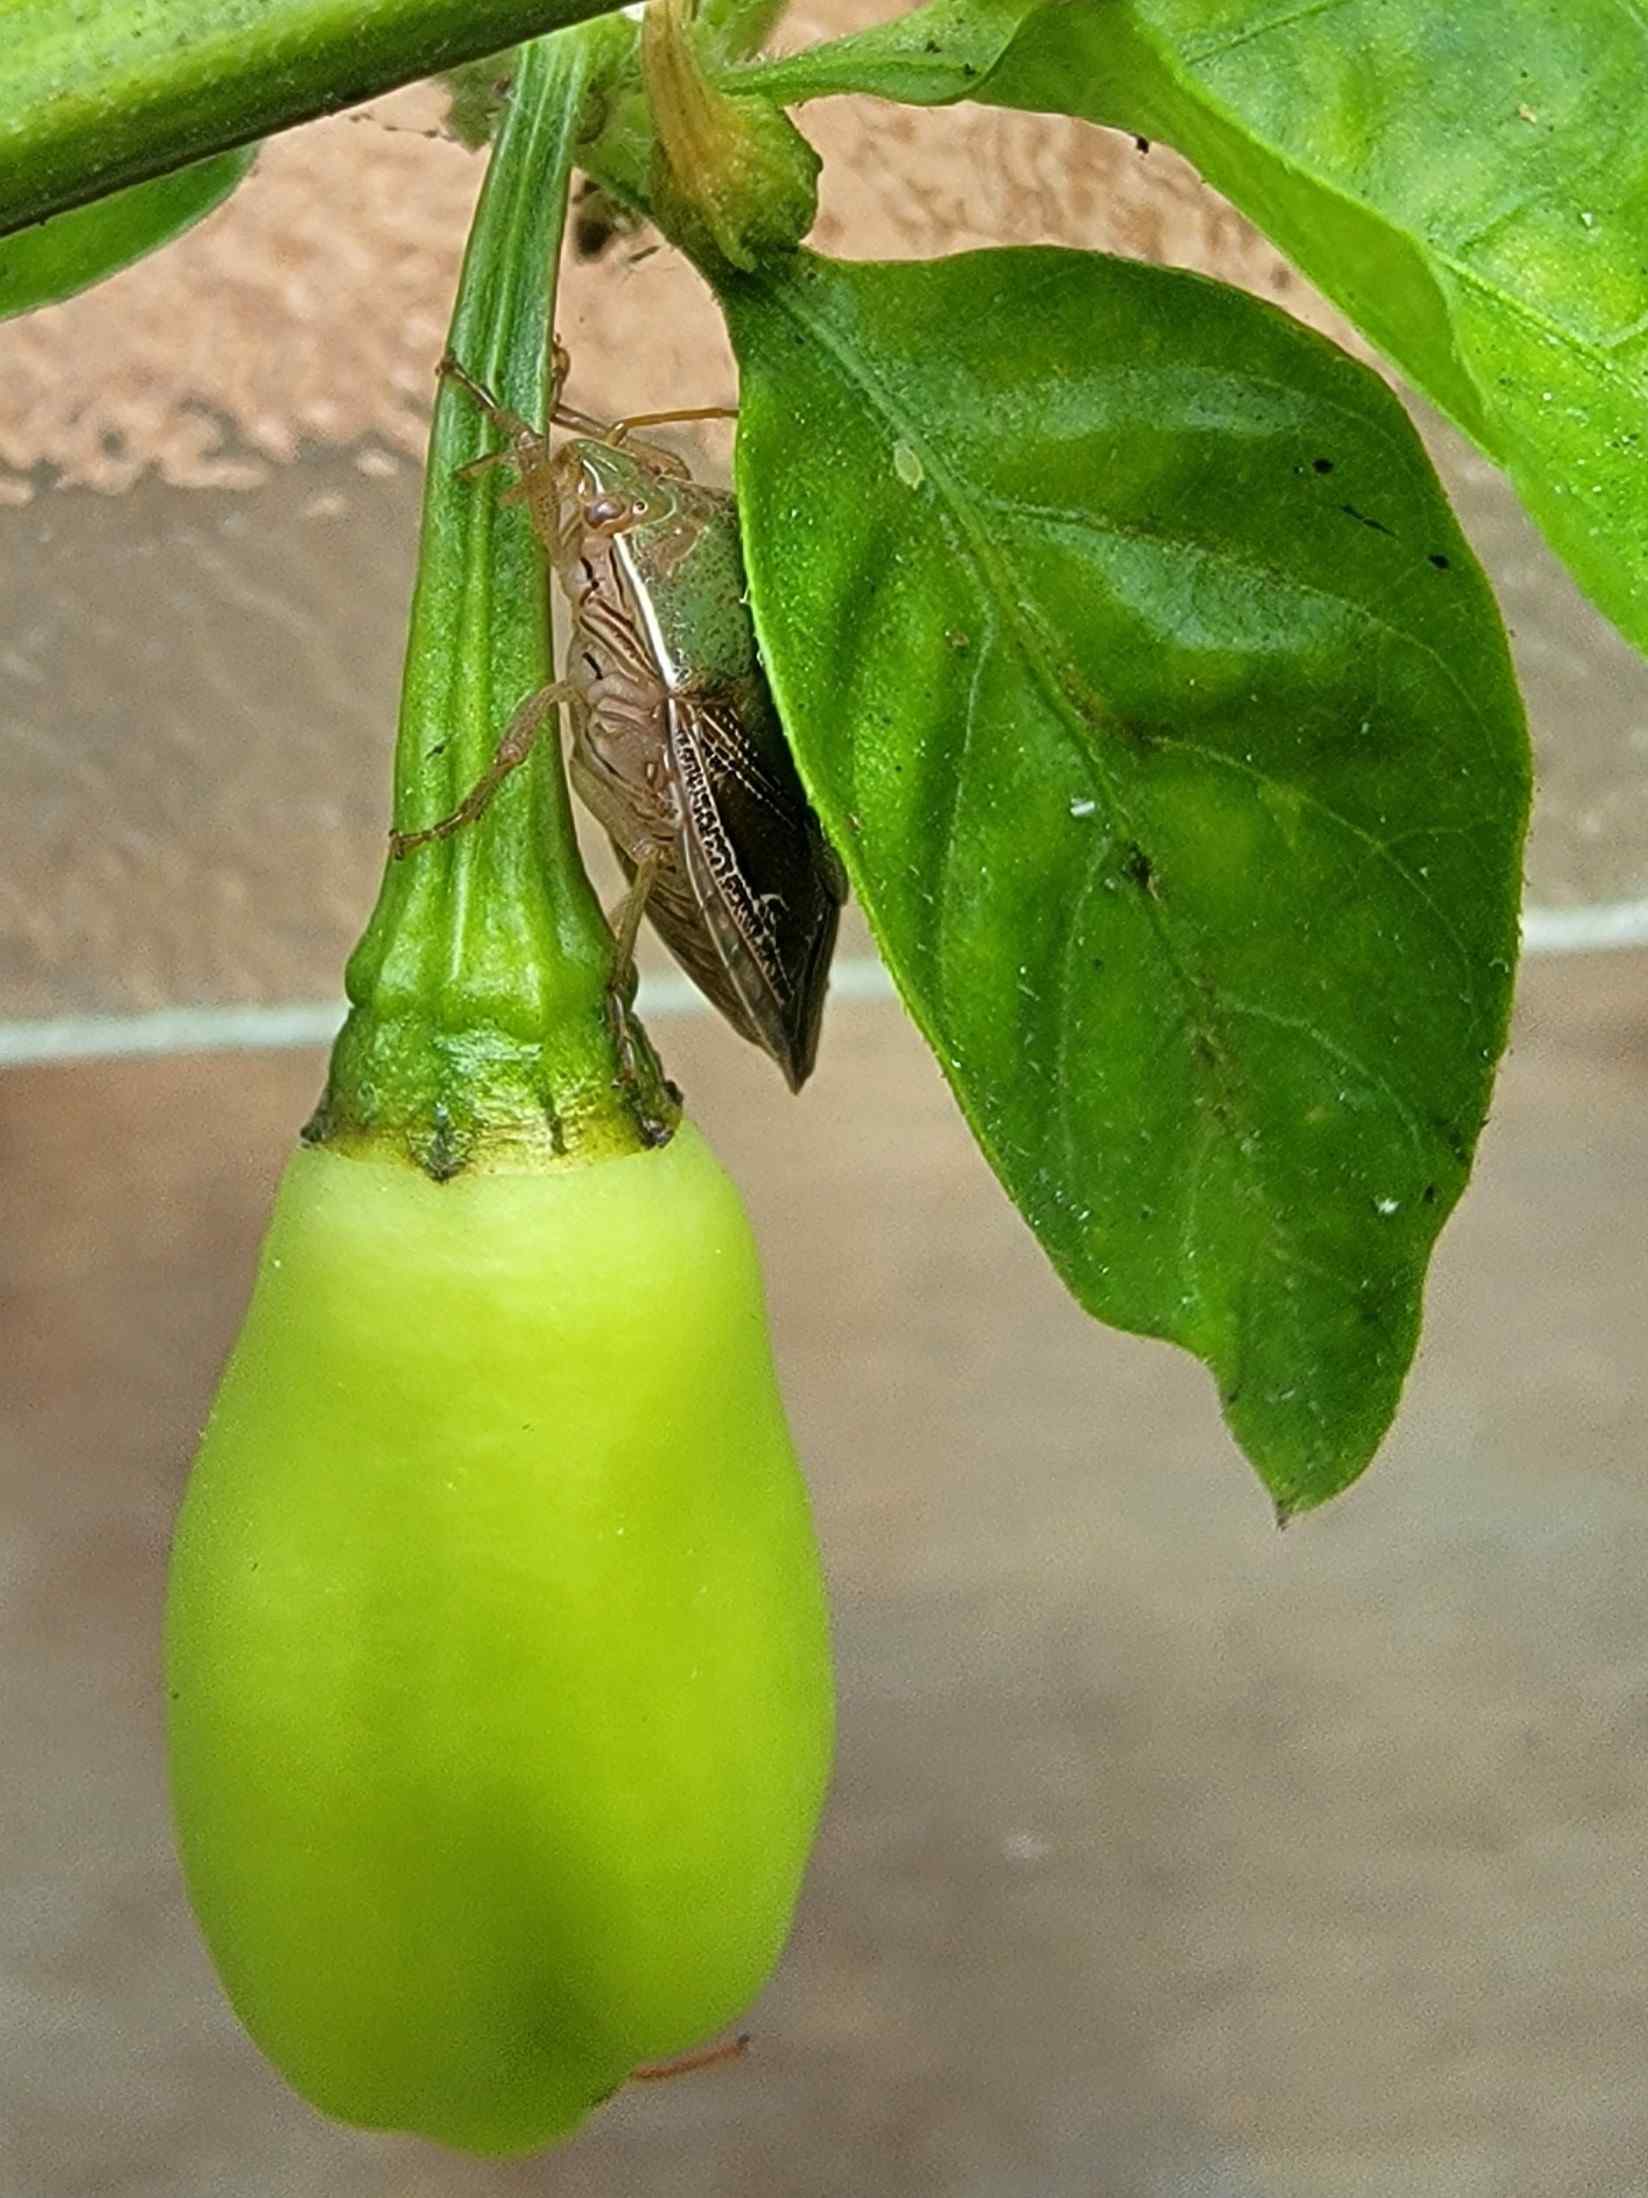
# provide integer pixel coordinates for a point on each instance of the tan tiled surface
(1168, 1858)
(1167, 1855)
(198, 673)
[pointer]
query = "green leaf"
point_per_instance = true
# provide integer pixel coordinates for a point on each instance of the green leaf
(105, 93)
(44, 265)
(1164, 719)
(1468, 180)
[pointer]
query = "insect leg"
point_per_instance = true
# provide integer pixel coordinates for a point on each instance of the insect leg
(507, 422)
(709, 2056)
(519, 737)
(625, 919)
(539, 487)
(485, 462)
(562, 414)
(630, 1045)
(619, 432)
(654, 453)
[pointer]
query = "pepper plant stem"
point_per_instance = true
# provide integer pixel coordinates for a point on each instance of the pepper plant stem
(483, 1030)
(106, 93)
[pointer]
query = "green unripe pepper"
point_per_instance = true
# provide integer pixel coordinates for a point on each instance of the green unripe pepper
(499, 1678)
(500, 1695)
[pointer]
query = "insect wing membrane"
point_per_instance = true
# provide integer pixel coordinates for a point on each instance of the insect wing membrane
(768, 886)
(704, 940)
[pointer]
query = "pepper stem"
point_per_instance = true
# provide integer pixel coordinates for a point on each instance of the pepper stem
(731, 177)
(485, 1029)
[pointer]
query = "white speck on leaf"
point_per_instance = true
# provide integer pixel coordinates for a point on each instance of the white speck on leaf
(1387, 1206)
(1082, 805)
(908, 466)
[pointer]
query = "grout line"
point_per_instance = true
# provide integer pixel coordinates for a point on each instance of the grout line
(1590, 929)
(308, 1022)
(1608, 925)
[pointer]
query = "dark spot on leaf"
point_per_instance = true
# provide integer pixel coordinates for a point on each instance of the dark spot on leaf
(957, 639)
(1430, 1194)
(1439, 561)
(930, 46)
(439, 748)
(1139, 870)
(1362, 520)
(967, 69)
(1322, 465)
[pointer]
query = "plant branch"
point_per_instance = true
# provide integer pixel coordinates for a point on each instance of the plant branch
(482, 1024)
(98, 96)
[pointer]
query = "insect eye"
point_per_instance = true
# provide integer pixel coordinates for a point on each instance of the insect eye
(610, 511)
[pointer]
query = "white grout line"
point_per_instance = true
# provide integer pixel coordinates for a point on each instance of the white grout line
(1585, 930)
(308, 1022)
(167, 1030)
(1608, 925)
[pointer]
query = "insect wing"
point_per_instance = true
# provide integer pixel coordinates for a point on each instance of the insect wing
(703, 939)
(767, 884)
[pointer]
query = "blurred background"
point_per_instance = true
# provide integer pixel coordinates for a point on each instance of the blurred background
(1167, 1855)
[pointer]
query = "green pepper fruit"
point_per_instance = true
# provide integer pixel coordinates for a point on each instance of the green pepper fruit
(497, 1651)
(500, 1693)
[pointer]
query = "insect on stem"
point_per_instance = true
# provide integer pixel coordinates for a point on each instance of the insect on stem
(676, 744)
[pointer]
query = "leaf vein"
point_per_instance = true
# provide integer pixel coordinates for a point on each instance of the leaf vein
(1189, 1241)
(1102, 523)
(1216, 49)
(948, 834)
(1588, 352)
(1064, 1020)
(1383, 849)
(1340, 1055)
